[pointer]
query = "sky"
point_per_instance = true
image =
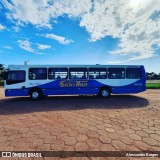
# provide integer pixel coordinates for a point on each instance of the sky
(81, 32)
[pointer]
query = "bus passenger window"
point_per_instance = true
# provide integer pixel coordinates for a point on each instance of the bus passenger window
(91, 77)
(78, 73)
(97, 73)
(116, 73)
(58, 77)
(133, 73)
(37, 73)
(57, 73)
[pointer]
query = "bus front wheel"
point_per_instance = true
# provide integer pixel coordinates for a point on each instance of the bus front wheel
(36, 95)
(104, 92)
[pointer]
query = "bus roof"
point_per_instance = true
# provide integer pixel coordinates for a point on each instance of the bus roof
(72, 65)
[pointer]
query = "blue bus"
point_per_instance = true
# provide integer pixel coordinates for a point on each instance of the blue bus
(38, 81)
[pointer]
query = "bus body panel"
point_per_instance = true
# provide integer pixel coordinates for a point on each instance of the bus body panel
(79, 86)
(54, 88)
(16, 92)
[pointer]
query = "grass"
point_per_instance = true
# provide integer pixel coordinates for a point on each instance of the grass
(153, 85)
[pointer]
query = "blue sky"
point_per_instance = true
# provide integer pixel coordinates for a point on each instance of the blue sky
(80, 32)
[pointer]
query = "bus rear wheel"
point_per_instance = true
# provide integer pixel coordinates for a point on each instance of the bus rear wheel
(36, 95)
(104, 92)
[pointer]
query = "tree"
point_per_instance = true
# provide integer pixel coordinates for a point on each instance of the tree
(147, 75)
(152, 76)
(1, 71)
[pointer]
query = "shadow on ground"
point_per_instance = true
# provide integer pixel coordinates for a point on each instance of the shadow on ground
(23, 105)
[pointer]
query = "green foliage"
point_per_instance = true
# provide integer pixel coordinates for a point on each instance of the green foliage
(1, 83)
(153, 85)
(2, 71)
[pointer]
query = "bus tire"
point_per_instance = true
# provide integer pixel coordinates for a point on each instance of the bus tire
(104, 92)
(36, 94)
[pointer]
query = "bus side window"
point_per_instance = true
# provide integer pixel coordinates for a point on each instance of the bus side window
(57, 73)
(133, 73)
(58, 77)
(78, 73)
(97, 73)
(37, 73)
(83, 77)
(116, 73)
(91, 77)
(66, 77)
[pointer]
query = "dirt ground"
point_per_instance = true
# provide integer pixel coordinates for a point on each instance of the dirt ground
(76, 123)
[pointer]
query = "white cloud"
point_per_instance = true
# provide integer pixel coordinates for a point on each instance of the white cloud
(60, 39)
(26, 45)
(130, 22)
(7, 47)
(49, 26)
(43, 46)
(2, 27)
(16, 28)
(27, 12)
(116, 62)
(40, 12)
(135, 23)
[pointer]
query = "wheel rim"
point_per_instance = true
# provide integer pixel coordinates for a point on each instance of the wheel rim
(35, 95)
(105, 93)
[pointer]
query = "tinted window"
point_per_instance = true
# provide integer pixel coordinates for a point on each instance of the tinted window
(97, 73)
(37, 73)
(14, 77)
(78, 73)
(57, 73)
(116, 73)
(133, 73)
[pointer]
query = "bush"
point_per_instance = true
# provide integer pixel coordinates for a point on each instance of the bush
(1, 83)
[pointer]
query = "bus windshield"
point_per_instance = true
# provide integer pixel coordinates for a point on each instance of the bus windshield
(14, 77)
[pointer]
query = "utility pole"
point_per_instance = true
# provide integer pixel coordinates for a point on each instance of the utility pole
(26, 62)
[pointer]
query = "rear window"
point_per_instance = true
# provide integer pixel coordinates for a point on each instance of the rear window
(133, 73)
(37, 73)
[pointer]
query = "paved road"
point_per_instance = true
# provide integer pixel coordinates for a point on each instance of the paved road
(122, 122)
